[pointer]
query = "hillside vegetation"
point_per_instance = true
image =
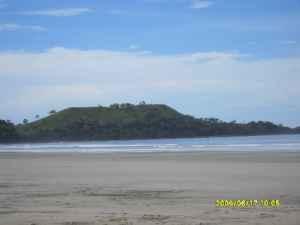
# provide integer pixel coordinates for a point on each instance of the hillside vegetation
(127, 121)
(8, 131)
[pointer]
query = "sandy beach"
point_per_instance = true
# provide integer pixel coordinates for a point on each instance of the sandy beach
(147, 188)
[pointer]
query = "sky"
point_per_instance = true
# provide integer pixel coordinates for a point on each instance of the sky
(229, 59)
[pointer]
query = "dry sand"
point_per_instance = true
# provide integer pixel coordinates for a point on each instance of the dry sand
(147, 188)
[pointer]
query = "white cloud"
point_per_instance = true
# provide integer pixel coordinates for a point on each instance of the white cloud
(194, 4)
(288, 42)
(134, 47)
(66, 77)
(201, 4)
(58, 12)
(117, 12)
(16, 27)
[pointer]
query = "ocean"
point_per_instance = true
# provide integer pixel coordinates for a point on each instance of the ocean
(237, 143)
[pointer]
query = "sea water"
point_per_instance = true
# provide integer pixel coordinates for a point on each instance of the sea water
(240, 143)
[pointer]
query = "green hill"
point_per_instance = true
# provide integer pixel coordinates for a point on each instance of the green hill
(89, 123)
(127, 121)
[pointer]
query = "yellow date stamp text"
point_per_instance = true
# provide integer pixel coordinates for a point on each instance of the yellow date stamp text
(247, 203)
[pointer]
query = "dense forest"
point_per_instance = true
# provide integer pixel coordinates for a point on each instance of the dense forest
(8, 131)
(128, 121)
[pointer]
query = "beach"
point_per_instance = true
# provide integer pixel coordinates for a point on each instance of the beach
(147, 188)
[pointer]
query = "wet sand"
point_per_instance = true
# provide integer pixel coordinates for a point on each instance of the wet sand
(147, 188)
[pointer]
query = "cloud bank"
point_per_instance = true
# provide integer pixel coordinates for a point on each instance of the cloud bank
(201, 4)
(60, 77)
(17, 27)
(58, 12)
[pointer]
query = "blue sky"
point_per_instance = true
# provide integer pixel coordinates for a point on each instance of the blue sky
(227, 59)
(263, 28)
